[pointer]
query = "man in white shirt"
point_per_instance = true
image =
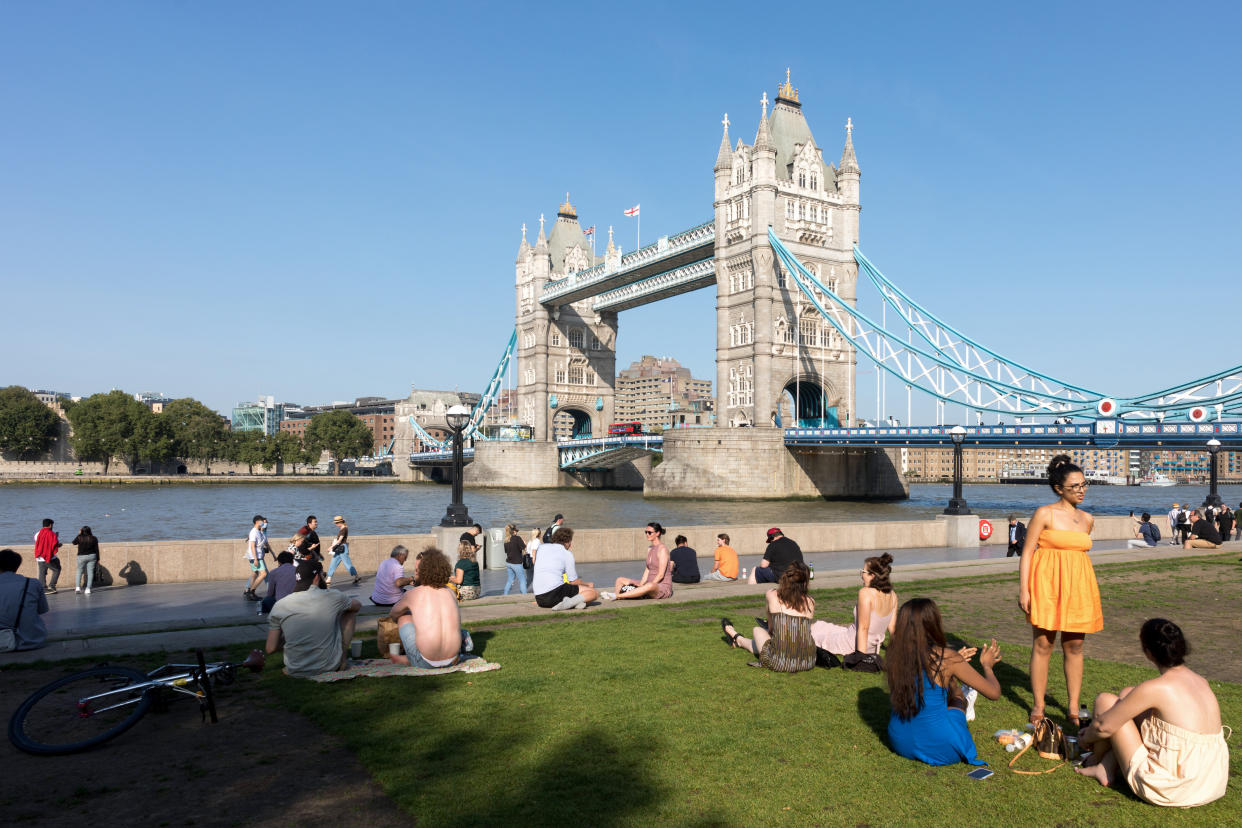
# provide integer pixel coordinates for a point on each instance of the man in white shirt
(256, 548)
(555, 582)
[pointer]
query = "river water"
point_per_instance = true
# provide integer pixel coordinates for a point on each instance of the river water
(139, 513)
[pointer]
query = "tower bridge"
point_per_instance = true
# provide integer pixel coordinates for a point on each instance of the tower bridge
(782, 253)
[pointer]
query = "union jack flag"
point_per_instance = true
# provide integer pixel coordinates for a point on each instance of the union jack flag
(590, 231)
(633, 211)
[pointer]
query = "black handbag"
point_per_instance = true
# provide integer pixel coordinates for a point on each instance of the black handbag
(863, 662)
(527, 561)
(825, 659)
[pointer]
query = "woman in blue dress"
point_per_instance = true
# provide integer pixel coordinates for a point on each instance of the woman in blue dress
(928, 722)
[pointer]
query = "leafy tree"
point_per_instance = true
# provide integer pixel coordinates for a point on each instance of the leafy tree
(110, 425)
(250, 447)
(341, 434)
(199, 432)
(27, 427)
(154, 439)
(285, 447)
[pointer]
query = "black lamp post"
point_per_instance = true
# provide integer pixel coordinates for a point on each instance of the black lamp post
(1213, 498)
(957, 504)
(457, 514)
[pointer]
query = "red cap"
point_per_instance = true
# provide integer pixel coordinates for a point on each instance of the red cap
(774, 531)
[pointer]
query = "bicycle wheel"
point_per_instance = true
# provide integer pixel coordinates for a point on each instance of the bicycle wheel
(63, 718)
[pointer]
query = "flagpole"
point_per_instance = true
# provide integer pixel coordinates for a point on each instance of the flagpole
(638, 239)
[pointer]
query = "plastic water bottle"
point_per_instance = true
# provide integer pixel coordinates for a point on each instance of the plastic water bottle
(812, 572)
(743, 574)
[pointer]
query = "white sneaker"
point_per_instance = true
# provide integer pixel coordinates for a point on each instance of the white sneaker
(580, 605)
(608, 596)
(971, 695)
(88, 590)
(77, 589)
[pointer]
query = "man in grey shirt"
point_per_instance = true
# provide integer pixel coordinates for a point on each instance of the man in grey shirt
(21, 596)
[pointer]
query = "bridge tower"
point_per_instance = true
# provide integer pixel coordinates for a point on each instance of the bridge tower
(774, 352)
(566, 357)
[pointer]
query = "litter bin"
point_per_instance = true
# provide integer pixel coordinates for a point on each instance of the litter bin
(494, 548)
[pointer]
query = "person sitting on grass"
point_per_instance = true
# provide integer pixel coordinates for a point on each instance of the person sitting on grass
(428, 621)
(928, 722)
(785, 645)
(555, 581)
(465, 578)
(657, 580)
(313, 626)
(724, 565)
(1164, 737)
(875, 614)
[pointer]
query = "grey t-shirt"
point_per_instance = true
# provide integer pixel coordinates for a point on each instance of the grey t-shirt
(311, 623)
(17, 589)
(551, 562)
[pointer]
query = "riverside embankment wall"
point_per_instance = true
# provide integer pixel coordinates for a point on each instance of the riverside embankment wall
(177, 561)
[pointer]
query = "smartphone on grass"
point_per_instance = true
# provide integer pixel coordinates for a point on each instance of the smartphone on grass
(980, 773)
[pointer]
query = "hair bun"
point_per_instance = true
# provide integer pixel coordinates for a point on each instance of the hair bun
(886, 560)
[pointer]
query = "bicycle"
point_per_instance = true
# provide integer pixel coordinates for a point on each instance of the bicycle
(86, 709)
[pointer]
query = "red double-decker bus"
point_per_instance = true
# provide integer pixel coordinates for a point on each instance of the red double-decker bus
(625, 428)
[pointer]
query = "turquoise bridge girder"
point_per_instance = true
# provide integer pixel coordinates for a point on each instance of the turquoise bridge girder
(599, 453)
(954, 368)
(1098, 434)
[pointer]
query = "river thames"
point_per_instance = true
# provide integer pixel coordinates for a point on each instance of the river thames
(139, 513)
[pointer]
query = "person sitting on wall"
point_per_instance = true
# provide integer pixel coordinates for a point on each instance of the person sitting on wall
(725, 564)
(555, 581)
(312, 625)
(685, 562)
(428, 621)
(390, 578)
(1203, 533)
(781, 552)
(465, 580)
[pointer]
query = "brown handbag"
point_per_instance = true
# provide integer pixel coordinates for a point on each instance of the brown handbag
(1049, 742)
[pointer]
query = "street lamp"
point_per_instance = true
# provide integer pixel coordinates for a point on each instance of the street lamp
(957, 504)
(457, 514)
(1213, 498)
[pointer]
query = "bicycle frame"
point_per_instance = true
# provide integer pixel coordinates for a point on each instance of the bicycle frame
(176, 681)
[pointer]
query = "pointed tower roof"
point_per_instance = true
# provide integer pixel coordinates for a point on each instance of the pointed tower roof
(789, 128)
(524, 247)
(724, 159)
(763, 138)
(849, 161)
(541, 243)
(565, 234)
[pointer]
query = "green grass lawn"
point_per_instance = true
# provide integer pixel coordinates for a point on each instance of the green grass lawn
(645, 716)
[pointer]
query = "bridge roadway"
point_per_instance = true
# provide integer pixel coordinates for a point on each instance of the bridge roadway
(591, 453)
(120, 620)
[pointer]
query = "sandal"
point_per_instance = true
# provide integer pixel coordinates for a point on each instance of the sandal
(725, 623)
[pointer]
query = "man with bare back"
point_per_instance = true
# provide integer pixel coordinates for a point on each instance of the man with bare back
(428, 621)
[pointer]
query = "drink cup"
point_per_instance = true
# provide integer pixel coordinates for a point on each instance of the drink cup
(355, 648)
(394, 648)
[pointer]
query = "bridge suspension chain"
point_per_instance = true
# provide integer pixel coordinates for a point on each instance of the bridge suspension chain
(931, 371)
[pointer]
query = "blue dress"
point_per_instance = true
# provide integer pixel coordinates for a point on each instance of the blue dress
(937, 734)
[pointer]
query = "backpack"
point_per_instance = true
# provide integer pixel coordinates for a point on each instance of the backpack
(8, 635)
(1182, 518)
(547, 534)
(1155, 532)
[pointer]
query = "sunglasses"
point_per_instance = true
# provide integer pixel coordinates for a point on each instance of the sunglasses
(648, 531)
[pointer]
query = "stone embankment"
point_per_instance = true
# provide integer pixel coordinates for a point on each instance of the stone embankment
(180, 561)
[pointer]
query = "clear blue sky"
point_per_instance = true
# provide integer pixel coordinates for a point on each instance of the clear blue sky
(323, 200)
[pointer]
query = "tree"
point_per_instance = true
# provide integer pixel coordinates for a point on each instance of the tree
(341, 434)
(110, 425)
(285, 447)
(199, 432)
(27, 427)
(250, 447)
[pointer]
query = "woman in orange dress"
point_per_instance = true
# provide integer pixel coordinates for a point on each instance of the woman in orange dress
(1057, 587)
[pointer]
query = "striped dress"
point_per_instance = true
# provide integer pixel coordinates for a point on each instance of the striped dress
(791, 648)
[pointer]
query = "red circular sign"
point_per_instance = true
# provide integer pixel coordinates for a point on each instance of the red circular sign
(985, 530)
(1106, 407)
(1198, 414)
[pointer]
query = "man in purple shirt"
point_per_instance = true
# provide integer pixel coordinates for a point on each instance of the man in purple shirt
(280, 582)
(390, 578)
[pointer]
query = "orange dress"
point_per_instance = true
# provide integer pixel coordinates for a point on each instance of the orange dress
(1064, 592)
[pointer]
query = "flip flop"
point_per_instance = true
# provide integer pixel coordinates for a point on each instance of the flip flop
(725, 623)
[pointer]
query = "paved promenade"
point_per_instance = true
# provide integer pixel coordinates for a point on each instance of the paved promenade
(124, 620)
